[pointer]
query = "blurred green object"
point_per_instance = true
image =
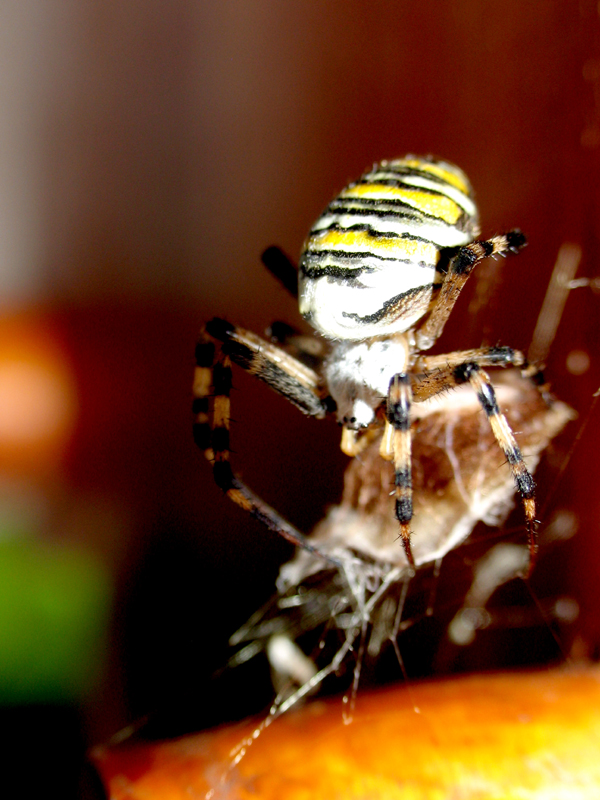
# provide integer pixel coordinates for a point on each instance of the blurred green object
(54, 611)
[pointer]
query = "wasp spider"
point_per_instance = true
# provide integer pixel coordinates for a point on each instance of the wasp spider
(378, 277)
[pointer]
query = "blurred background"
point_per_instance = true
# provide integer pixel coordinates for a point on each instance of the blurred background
(149, 152)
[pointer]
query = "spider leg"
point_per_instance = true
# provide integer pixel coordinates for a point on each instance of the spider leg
(308, 349)
(213, 377)
(281, 266)
(460, 267)
(471, 372)
(283, 373)
(438, 371)
(398, 418)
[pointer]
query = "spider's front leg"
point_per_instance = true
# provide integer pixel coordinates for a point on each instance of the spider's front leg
(480, 381)
(456, 369)
(396, 446)
(461, 266)
(437, 372)
(221, 343)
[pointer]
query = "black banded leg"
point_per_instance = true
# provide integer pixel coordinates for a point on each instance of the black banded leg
(213, 377)
(438, 372)
(202, 390)
(479, 380)
(398, 417)
(483, 356)
(460, 267)
(286, 375)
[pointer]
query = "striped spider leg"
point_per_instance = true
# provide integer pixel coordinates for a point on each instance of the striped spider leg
(458, 368)
(461, 266)
(451, 370)
(221, 343)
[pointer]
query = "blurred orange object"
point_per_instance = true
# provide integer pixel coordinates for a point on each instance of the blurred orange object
(527, 735)
(38, 399)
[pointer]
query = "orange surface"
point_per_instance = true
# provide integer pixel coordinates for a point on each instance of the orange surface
(525, 736)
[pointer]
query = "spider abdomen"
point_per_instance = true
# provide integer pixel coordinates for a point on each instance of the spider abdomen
(369, 264)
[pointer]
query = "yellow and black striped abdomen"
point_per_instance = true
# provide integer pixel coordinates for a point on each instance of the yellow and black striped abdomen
(369, 264)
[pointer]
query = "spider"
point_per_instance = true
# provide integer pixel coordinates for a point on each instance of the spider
(378, 277)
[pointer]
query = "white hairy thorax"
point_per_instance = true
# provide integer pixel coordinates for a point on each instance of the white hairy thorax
(358, 376)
